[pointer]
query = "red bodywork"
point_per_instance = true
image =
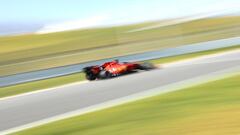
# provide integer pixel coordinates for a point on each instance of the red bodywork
(95, 69)
(115, 67)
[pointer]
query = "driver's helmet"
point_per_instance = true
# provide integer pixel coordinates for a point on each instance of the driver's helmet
(116, 60)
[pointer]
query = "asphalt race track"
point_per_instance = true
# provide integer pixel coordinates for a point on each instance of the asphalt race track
(21, 110)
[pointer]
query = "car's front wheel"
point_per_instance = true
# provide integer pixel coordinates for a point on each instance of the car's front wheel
(90, 77)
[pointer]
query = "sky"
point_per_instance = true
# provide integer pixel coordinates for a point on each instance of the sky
(52, 14)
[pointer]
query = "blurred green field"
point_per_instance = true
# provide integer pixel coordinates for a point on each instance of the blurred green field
(207, 109)
(69, 79)
(34, 52)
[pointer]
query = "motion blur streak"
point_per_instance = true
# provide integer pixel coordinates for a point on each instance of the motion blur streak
(14, 112)
(66, 70)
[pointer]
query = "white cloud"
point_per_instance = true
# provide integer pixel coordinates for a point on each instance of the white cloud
(189, 10)
(74, 24)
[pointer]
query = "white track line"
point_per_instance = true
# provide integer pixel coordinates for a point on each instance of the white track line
(189, 60)
(44, 90)
(156, 91)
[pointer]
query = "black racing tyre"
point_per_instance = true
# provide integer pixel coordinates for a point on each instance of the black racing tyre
(146, 66)
(90, 77)
(104, 74)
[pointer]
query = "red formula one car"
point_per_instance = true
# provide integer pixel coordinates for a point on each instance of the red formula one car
(113, 69)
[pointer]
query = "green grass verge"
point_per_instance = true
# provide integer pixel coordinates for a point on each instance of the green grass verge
(41, 84)
(34, 52)
(207, 109)
(59, 81)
